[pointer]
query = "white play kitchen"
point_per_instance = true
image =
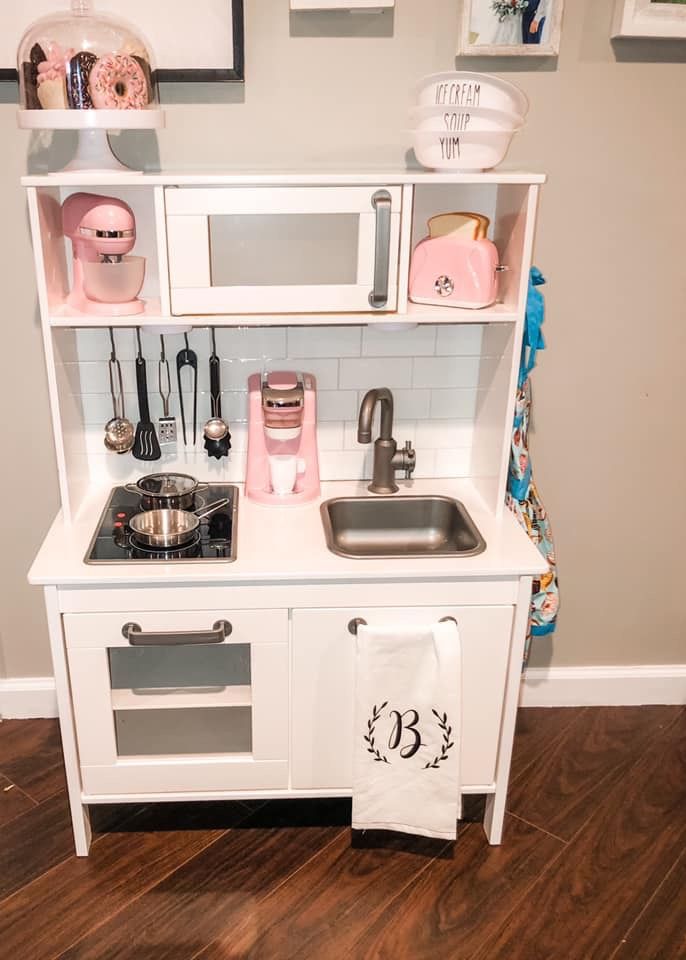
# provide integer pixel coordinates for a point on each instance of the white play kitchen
(324, 367)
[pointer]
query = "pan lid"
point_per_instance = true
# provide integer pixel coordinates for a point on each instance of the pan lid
(167, 484)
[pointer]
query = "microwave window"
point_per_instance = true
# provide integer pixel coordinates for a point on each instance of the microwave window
(301, 249)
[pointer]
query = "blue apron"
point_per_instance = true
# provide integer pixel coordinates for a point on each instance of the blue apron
(522, 495)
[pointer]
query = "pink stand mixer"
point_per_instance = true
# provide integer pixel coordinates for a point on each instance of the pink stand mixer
(283, 466)
(102, 231)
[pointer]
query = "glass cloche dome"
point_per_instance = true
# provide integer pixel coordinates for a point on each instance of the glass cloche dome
(81, 60)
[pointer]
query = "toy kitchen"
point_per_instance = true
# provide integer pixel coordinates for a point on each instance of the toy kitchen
(263, 458)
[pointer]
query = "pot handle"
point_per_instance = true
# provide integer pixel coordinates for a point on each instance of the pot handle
(132, 488)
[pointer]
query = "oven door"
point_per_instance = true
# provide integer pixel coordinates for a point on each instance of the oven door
(244, 250)
(180, 702)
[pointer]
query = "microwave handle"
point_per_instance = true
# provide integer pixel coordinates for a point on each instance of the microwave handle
(139, 638)
(381, 201)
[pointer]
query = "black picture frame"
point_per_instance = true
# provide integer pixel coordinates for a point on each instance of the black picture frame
(235, 74)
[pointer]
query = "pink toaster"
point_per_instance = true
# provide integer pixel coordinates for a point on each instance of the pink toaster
(455, 269)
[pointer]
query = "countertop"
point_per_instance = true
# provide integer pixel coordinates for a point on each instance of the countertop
(279, 544)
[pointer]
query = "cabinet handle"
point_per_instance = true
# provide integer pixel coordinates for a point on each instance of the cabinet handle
(138, 638)
(381, 201)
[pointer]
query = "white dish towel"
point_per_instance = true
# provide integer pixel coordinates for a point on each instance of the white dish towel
(408, 703)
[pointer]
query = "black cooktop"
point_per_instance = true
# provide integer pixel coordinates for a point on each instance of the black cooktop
(216, 541)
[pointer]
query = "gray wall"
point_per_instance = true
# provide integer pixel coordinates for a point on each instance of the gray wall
(608, 444)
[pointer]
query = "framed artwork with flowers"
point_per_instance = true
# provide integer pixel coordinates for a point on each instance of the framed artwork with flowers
(517, 28)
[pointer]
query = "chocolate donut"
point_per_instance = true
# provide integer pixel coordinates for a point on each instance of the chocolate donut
(29, 70)
(79, 72)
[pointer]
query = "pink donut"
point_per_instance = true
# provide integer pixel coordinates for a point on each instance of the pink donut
(117, 82)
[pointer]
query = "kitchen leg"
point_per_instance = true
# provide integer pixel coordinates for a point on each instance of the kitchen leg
(80, 817)
(495, 802)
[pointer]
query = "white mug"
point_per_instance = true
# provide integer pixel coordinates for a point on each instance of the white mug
(283, 471)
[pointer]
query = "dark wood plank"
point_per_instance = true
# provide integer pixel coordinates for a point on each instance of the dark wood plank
(211, 893)
(581, 908)
(50, 914)
(31, 756)
(537, 730)
(34, 842)
(444, 912)
(559, 791)
(343, 884)
(660, 932)
(13, 802)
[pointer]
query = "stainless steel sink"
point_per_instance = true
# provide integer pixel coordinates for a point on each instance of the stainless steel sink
(381, 527)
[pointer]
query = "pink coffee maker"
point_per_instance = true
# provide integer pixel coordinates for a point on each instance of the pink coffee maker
(102, 230)
(283, 466)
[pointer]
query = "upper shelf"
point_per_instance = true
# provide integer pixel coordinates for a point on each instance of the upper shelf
(300, 177)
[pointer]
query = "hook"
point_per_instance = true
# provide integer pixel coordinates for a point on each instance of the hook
(214, 342)
(113, 354)
(354, 624)
(163, 355)
(185, 337)
(448, 620)
(138, 338)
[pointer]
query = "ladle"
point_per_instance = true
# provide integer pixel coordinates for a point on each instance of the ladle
(119, 432)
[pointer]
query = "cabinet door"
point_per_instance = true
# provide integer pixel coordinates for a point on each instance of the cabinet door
(282, 249)
(180, 701)
(323, 683)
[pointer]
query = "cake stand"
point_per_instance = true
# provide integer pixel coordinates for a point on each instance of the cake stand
(93, 152)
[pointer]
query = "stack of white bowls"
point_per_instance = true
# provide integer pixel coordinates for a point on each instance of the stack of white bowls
(465, 121)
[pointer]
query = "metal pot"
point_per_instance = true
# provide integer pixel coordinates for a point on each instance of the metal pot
(169, 491)
(168, 529)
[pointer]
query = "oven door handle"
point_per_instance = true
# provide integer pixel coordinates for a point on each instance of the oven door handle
(140, 638)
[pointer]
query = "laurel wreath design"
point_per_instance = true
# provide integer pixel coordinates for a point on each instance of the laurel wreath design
(369, 736)
(447, 742)
(379, 757)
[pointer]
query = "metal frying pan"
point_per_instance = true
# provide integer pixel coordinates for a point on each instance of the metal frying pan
(167, 529)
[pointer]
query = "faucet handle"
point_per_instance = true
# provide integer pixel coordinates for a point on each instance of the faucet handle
(409, 459)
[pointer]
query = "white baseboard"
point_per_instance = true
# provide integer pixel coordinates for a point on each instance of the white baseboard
(603, 686)
(23, 698)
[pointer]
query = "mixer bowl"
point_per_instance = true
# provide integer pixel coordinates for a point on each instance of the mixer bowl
(114, 282)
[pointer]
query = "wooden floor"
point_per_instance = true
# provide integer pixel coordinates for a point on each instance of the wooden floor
(593, 863)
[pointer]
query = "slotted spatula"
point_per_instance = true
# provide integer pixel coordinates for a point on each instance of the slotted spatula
(146, 445)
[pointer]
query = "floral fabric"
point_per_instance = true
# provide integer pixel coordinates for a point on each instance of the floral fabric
(522, 494)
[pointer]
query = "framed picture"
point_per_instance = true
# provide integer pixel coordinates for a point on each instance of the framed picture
(518, 28)
(207, 46)
(649, 18)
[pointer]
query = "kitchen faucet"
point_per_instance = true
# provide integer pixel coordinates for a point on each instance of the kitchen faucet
(387, 457)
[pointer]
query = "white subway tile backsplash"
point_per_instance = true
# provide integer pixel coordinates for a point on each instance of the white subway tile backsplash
(330, 435)
(444, 434)
(324, 342)
(459, 340)
(336, 405)
(448, 404)
(435, 373)
(445, 372)
(453, 463)
(349, 465)
(405, 342)
(365, 373)
(256, 343)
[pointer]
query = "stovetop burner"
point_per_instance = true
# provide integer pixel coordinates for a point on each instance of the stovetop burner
(216, 541)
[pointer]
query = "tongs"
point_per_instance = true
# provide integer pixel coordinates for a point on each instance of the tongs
(188, 358)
